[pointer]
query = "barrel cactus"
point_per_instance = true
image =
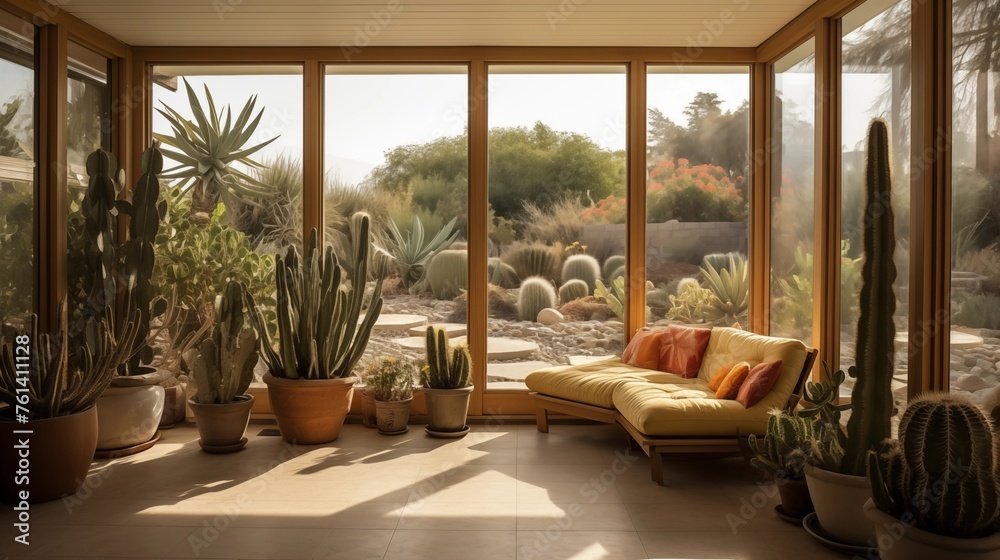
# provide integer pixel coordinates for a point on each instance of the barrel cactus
(448, 273)
(533, 260)
(582, 267)
(611, 266)
(573, 290)
(942, 473)
(535, 295)
(447, 368)
(502, 274)
(222, 366)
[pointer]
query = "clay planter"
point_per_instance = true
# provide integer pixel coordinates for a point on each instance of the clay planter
(447, 409)
(795, 499)
(60, 452)
(899, 541)
(392, 416)
(367, 408)
(174, 411)
(839, 501)
(128, 416)
(309, 411)
(222, 425)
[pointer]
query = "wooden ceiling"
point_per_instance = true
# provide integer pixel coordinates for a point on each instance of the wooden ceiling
(360, 23)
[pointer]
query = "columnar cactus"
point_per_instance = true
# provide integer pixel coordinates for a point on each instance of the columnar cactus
(582, 267)
(533, 260)
(611, 265)
(222, 366)
(535, 295)
(573, 290)
(321, 332)
(448, 273)
(502, 274)
(943, 472)
(100, 211)
(447, 368)
(783, 451)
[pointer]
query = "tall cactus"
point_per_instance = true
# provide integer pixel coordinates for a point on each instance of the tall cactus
(100, 211)
(444, 371)
(535, 295)
(871, 399)
(943, 471)
(582, 267)
(222, 366)
(321, 332)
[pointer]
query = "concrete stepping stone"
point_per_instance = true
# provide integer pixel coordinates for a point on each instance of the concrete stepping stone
(398, 322)
(513, 371)
(506, 385)
(498, 349)
(584, 360)
(452, 330)
(959, 340)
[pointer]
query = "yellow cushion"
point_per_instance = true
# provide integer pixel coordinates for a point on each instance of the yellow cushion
(594, 383)
(686, 410)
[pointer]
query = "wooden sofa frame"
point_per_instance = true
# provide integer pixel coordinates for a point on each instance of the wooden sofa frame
(659, 446)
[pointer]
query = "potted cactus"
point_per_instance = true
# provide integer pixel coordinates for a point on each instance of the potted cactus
(50, 399)
(781, 457)
(936, 491)
(390, 382)
(838, 460)
(446, 385)
(222, 369)
(323, 329)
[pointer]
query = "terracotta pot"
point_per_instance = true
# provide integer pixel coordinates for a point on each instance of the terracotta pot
(309, 411)
(60, 452)
(174, 401)
(839, 501)
(128, 416)
(367, 408)
(392, 416)
(899, 541)
(795, 500)
(447, 409)
(221, 425)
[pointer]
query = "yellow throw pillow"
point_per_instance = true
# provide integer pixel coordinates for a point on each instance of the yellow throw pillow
(730, 386)
(720, 375)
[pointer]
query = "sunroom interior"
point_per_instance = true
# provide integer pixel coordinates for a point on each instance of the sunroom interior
(660, 142)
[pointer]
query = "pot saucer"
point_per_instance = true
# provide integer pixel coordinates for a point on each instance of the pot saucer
(458, 434)
(399, 433)
(811, 524)
(223, 448)
(780, 512)
(126, 451)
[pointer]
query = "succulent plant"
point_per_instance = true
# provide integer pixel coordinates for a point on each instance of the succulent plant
(100, 209)
(614, 295)
(502, 274)
(573, 290)
(222, 366)
(448, 273)
(783, 450)
(730, 284)
(447, 368)
(718, 261)
(411, 252)
(535, 295)
(943, 473)
(822, 396)
(390, 379)
(611, 265)
(322, 327)
(533, 260)
(582, 267)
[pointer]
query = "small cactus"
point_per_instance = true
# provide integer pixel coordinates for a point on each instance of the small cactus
(942, 472)
(582, 267)
(447, 368)
(448, 273)
(533, 260)
(783, 450)
(222, 366)
(611, 265)
(535, 295)
(573, 290)
(502, 274)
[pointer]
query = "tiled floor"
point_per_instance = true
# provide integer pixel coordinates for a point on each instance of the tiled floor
(503, 492)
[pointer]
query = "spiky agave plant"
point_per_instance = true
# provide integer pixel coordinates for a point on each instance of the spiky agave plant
(410, 252)
(730, 286)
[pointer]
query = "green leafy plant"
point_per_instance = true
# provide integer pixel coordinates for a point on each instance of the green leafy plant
(572, 290)
(446, 368)
(582, 267)
(535, 295)
(410, 252)
(390, 379)
(448, 273)
(793, 309)
(222, 366)
(730, 286)
(691, 302)
(614, 295)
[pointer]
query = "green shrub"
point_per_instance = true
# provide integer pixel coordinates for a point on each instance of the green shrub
(448, 273)
(559, 223)
(611, 265)
(572, 290)
(582, 267)
(535, 295)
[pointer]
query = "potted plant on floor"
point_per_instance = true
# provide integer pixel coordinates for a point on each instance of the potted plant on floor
(368, 419)
(50, 394)
(781, 457)
(391, 384)
(446, 385)
(323, 329)
(838, 460)
(936, 490)
(222, 369)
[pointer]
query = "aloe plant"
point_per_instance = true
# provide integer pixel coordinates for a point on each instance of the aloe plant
(207, 148)
(222, 366)
(613, 294)
(411, 252)
(730, 285)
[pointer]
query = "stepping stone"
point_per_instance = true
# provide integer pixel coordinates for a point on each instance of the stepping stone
(513, 371)
(452, 330)
(506, 385)
(583, 360)
(398, 322)
(959, 340)
(498, 349)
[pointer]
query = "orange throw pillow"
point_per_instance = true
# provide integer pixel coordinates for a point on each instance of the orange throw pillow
(759, 383)
(720, 375)
(644, 348)
(730, 387)
(683, 349)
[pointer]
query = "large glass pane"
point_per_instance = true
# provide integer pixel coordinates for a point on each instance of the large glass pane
(792, 194)
(231, 204)
(17, 170)
(396, 148)
(696, 194)
(557, 234)
(876, 84)
(975, 278)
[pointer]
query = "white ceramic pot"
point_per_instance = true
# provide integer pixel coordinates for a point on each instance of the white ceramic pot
(899, 541)
(839, 501)
(128, 416)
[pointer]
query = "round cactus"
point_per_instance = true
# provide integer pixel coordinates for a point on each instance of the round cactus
(582, 267)
(573, 290)
(533, 260)
(611, 265)
(535, 295)
(448, 273)
(502, 274)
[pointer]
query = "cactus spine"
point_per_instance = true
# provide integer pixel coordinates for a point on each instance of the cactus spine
(573, 290)
(533, 260)
(321, 334)
(943, 472)
(582, 267)
(871, 398)
(783, 450)
(222, 366)
(448, 273)
(444, 371)
(535, 295)
(611, 265)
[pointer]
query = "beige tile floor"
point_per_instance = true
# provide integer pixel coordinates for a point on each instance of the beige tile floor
(504, 492)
